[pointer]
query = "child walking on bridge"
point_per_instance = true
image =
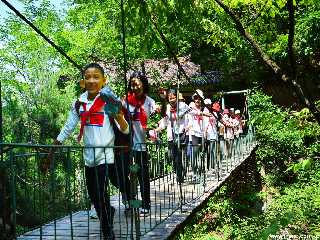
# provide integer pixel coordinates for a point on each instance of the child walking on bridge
(93, 109)
(140, 107)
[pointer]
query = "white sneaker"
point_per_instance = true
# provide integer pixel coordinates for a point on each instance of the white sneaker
(93, 214)
(196, 179)
(144, 212)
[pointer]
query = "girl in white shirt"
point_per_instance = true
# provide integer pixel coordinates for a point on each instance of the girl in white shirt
(211, 134)
(140, 106)
(175, 121)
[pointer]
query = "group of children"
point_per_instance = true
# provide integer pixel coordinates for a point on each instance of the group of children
(103, 116)
(201, 125)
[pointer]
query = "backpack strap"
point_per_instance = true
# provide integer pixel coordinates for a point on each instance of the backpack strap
(77, 105)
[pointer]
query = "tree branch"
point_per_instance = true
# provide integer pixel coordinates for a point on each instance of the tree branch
(272, 64)
(257, 49)
(292, 63)
(164, 40)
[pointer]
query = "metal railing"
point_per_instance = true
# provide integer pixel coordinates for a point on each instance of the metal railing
(48, 205)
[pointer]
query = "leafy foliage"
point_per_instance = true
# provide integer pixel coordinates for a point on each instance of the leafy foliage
(32, 101)
(284, 136)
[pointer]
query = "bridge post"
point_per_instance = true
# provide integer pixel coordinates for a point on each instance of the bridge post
(6, 224)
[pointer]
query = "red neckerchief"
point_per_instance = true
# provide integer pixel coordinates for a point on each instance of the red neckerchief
(84, 116)
(138, 104)
(198, 116)
(173, 111)
(211, 121)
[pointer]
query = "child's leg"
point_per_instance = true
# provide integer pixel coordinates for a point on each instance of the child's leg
(171, 154)
(196, 161)
(212, 153)
(141, 159)
(178, 162)
(119, 174)
(96, 182)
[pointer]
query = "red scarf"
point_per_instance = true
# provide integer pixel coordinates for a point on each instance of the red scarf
(198, 116)
(211, 121)
(173, 111)
(138, 104)
(84, 116)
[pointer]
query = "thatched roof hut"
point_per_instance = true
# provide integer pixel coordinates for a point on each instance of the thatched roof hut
(164, 73)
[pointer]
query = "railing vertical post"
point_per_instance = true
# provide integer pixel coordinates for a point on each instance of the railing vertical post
(226, 154)
(13, 191)
(68, 190)
(231, 155)
(204, 157)
(134, 204)
(52, 186)
(40, 184)
(216, 159)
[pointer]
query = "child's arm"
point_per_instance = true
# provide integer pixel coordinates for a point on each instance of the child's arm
(71, 123)
(162, 124)
(69, 126)
(122, 122)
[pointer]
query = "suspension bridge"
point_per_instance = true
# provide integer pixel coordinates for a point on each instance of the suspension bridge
(56, 206)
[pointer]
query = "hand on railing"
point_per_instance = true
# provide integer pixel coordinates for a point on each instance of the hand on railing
(153, 135)
(46, 162)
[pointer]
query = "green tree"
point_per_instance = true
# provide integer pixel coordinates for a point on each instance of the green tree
(32, 102)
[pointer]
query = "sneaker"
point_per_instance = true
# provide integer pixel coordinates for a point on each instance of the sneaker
(93, 214)
(196, 179)
(144, 212)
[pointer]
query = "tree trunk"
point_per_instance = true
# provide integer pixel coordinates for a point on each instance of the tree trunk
(292, 62)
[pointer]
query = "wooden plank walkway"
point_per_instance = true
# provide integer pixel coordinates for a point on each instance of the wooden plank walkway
(166, 211)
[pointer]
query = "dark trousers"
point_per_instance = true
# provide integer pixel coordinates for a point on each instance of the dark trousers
(196, 161)
(97, 181)
(119, 174)
(211, 149)
(176, 154)
(141, 158)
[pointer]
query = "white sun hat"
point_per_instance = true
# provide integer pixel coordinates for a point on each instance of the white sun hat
(198, 92)
(207, 101)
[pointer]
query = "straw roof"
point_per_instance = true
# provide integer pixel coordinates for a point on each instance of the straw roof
(164, 72)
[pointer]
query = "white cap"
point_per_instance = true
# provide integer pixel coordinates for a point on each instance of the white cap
(198, 93)
(231, 109)
(207, 101)
(237, 111)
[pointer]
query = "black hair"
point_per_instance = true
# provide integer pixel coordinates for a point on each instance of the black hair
(143, 78)
(93, 65)
(173, 91)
